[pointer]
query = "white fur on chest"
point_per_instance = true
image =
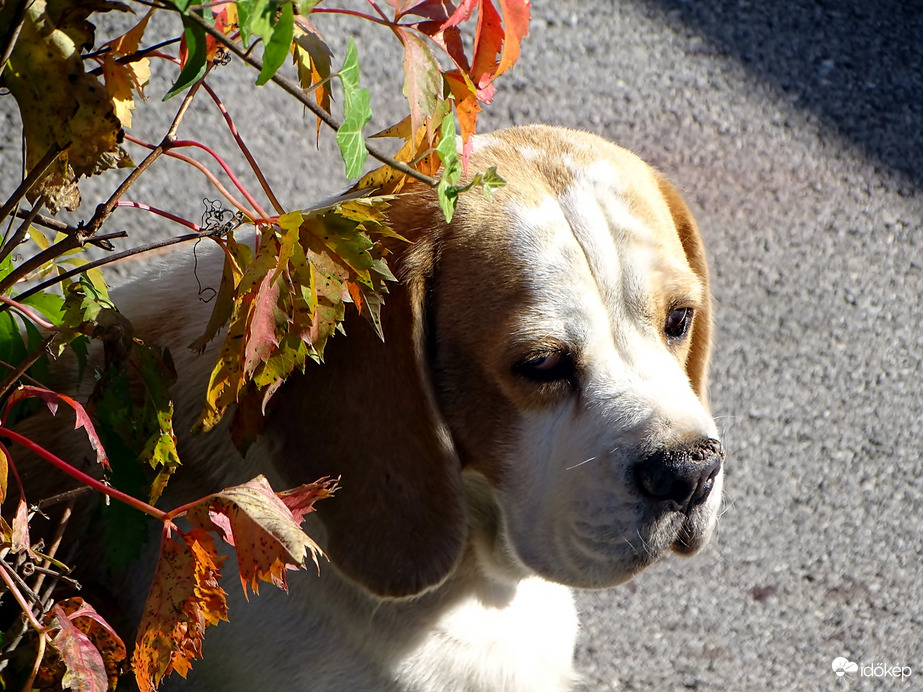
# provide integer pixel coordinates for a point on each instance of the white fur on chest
(525, 644)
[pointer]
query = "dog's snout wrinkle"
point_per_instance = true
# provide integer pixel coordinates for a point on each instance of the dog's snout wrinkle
(681, 477)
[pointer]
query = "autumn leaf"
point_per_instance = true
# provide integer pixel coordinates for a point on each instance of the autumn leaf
(4, 472)
(72, 112)
(85, 669)
(185, 599)
(89, 650)
(123, 80)
(422, 78)
(291, 298)
(312, 59)
(263, 528)
(52, 400)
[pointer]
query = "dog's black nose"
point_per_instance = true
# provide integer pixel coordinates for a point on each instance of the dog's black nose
(681, 476)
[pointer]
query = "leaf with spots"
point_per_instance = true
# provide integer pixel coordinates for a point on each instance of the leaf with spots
(263, 528)
(185, 599)
(86, 653)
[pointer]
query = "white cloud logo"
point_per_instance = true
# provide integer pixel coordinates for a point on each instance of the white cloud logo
(842, 666)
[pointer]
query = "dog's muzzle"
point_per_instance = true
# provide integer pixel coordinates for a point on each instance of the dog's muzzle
(682, 477)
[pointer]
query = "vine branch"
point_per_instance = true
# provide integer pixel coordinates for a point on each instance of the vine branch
(295, 90)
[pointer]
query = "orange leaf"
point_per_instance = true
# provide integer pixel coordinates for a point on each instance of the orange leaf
(488, 42)
(260, 525)
(516, 26)
(184, 600)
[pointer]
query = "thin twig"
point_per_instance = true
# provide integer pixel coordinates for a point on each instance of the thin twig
(160, 212)
(45, 570)
(5, 576)
(203, 169)
(27, 363)
(20, 233)
(37, 172)
(131, 57)
(297, 92)
(39, 655)
(15, 27)
(54, 224)
(119, 256)
(30, 380)
(66, 496)
(246, 151)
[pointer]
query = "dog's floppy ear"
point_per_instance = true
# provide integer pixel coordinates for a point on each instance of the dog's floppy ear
(368, 414)
(688, 231)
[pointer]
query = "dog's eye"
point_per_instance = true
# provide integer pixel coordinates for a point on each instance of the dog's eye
(547, 367)
(678, 323)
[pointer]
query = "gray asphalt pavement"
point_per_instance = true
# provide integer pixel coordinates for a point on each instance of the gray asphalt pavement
(794, 129)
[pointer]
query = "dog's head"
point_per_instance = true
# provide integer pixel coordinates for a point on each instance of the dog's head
(544, 368)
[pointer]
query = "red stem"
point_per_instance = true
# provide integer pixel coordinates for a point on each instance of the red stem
(353, 13)
(250, 213)
(192, 143)
(246, 151)
(159, 212)
(84, 478)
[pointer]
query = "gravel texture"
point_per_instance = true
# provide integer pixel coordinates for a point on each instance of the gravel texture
(794, 129)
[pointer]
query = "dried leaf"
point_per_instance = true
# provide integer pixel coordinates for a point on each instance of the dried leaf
(20, 535)
(72, 111)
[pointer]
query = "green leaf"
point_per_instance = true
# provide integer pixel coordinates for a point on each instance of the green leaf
(196, 58)
(451, 167)
(488, 181)
(356, 114)
(255, 18)
(50, 305)
(12, 346)
(278, 44)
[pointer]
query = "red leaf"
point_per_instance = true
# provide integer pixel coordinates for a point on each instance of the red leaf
(300, 500)
(466, 108)
(488, 42)
(100, 633)
(262, 339)
(52, 399)
(86, 670)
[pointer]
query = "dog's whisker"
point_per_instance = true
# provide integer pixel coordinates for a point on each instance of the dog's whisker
(585, 461)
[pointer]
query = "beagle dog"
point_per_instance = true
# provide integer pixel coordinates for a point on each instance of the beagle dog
(536, 419)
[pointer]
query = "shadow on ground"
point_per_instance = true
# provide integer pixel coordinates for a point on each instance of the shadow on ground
(858, 66)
